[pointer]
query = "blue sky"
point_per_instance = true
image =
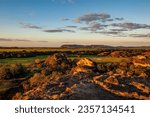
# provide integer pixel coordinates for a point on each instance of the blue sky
(51, 23)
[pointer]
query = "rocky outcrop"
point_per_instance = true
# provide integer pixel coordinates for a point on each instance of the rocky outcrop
(56, 87)
(57, 59)
(142, 60)
(86, 86)
(58, 62)
(84, 82)
(85, 65)
(135, 88)
(70, 87)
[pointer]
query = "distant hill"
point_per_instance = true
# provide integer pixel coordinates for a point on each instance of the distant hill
(99, 46)
(85, 46)
(78, 46)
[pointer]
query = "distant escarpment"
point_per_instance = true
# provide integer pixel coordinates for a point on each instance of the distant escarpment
(98, 46)
(85, 46)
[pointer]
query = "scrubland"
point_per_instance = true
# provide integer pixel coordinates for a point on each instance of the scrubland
(68, 74)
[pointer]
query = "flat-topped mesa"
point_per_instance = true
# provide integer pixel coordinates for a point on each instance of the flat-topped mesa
(85, 65)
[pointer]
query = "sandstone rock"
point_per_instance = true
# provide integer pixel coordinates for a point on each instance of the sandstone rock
(84, 82)
(61, 88)
(112, 80)
(58, 62)
(85, 91)
(35, 81)
(37, 61)
(81, 69)
(85, 65)
(83, 86)
(120, 71)
(141, 60)
(86, 62)
(143, 75)
(57, 58)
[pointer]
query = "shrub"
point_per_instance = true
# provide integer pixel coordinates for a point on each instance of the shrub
(102, 68)
(18, 70)
(5, 73)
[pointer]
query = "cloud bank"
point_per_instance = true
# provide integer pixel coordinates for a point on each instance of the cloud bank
(102, 23)
(27, 25)
(19, 40)
(87, 18)
(7, 39)
(131, 26)
(58, 30)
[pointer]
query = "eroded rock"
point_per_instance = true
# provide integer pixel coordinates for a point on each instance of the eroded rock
(85, 65)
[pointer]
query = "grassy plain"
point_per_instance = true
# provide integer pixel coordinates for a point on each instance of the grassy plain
(45, 49)
(29, 60)
(24, 61)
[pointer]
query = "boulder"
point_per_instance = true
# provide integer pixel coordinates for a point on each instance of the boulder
(57, 59)
(58, 62)
(112, 80)
(85, 65)
(37, 61)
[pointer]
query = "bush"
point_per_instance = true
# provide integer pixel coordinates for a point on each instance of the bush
(102, 68)
(5, 73)
(18, 70)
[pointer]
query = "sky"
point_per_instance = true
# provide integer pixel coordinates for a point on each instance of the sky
(52, 23)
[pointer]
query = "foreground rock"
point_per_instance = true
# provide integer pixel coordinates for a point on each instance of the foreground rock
(10, 87)
(74, 87)
(83, 82)
(135, 88)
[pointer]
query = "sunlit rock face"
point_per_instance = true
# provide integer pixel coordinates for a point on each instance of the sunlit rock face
(58, 62)
(85, 65)
(57, 58)
(142, 60)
